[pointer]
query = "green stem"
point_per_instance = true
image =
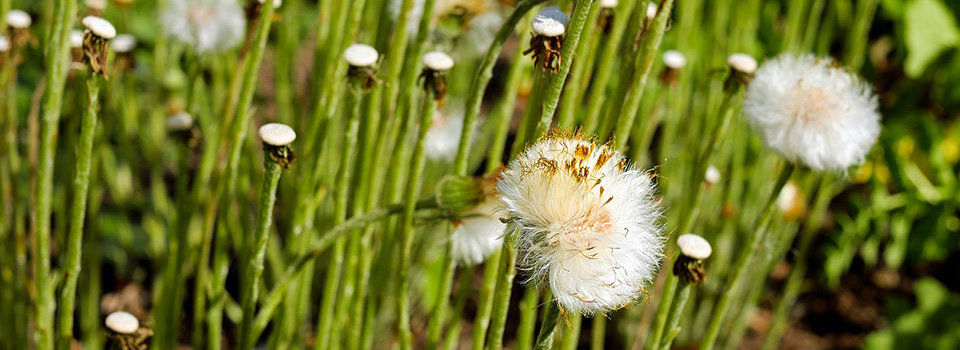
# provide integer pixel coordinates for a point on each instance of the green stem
(663, 310)
(739, 267)
(503, 289)
(528, 317)
(581, 12)
(673, 318)
(548, 326)
(605, 64)
(438, 318)
(81, 185)
(485, 306)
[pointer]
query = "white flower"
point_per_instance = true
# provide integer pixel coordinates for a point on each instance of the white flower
(811, 111)
(443, 137)
(550, 22)
(478, 235)
(712, 175)
(584, 222)
(207, 25)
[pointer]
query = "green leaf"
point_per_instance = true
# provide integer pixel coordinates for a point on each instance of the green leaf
(930, 29)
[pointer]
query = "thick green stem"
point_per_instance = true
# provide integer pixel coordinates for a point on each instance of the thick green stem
(528, 317)
(663, 310)
(605, 64)
(501, 298)
(673, 318)
(81, 185)
(581, 12)
(548, 327)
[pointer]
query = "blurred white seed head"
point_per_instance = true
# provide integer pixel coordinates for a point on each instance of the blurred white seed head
(742, 63)
(443, 137)
(812, 112)
(712, 175)
(276, 3)
(4, 43)
(361, 55)
(179, 122)
(276, 134)
(694, 246)
(98, 5)
(99, 27)
(791, 202)
(584, 222)
(76, 39)
(19, 19)
(674, 59)
(609, 4)
(652, 9)
(550, 22)
(478, 235)
(122, 322)
(437, 60)
(206, 25)
(479, 34)
(123, 43)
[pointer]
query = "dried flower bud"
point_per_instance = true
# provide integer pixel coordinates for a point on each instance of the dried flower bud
(550, 22)
(362, 59)
(434, 75)
(125, 332)
(689, 265)
(742, 67)
(18, 19)
(276, 139)
(673, 61)
(122, 322)
(96, 43)
(548, 28)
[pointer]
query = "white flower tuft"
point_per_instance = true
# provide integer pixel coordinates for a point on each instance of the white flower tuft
(712, 175)
(810, 111)
(584, 222)
(99, 27)
(19, 19)
(4, 43)
(361, 55)
(98, 5)
(76, 39)
(674, 59)
(694, 247)
(652, 9)
(443, 137)
(180, 121)
(122, 322)
(742, 63)
(478, 235)
(207, 25)
(123, 43)
(276, 134)
(609, 4)
(550, 22)
(437, 60)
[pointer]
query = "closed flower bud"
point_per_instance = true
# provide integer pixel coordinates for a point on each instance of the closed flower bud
(689, 265)
(276, 139)
(548, 28)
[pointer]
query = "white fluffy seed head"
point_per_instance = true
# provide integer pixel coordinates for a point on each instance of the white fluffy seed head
(712, 175)
(742, 63)
(437, 60)
(19, 19)
(99, 27)
(812, 112)
(76, 39)
(652, 9)
(694, 247)
(4, 43)
(674, 59)
(443, 137)
(123, 43)
(208, 26)
(98, 5)
(550, 22)
(276, 134)
(609, 4)
(276, 3)
(361, 55)
(478, 235)
(122, 322)
(584, 222)
(179, 122)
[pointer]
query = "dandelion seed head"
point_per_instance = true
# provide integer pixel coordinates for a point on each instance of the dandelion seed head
(652, 9)
(584, 221)
(674, 59)
(276, 134)
(812, 112)
(123, 43)
(437, 60)
(742, 63)
(209, 26)
(99, 27)
(443, 137)
(98, 5)
(478, 235)
(609, 4)
(694, 246)
(19, 19)
(712, 175)
(122, 322)
(479, 34)
(550, 22)
(361, 55)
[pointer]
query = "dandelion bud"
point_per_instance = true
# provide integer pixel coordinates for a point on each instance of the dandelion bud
(18, 19)
(124, 329)
(712, 175)
(673, 61)
(96, 42)
(208, 26)
(95, 7)
(791, 203)
(548, 28)
(181, 127)
(122, 322)
(362, 59)
(434, 75)
(123, 45)
(652, 9)
(605, 21)
(179, 122)
(458, 194)
(584, 222)
(742, 67)
(811, 111)
(4, 44)
(609, 4)
(276, 139)
(689, 266)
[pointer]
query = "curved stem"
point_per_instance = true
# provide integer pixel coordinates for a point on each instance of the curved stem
(581, 12)
(548, 327)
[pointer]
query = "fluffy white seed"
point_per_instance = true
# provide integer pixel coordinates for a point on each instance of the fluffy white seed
(208, 26)
(179, 122)
(742, 63)
(443, 137)
(478, 235)
(99, 27)
(693, 246)
(584, 222)
(609, 4)
(361, 55)
(19, 19)
(652, 10)
(122, 322)
(810, 111)
(550, 22)
(712, 175)
(276, 134)
(76, 39)
(437, 60)
(4, 43)
(98, 5)
(123, 43)
(674, 59)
